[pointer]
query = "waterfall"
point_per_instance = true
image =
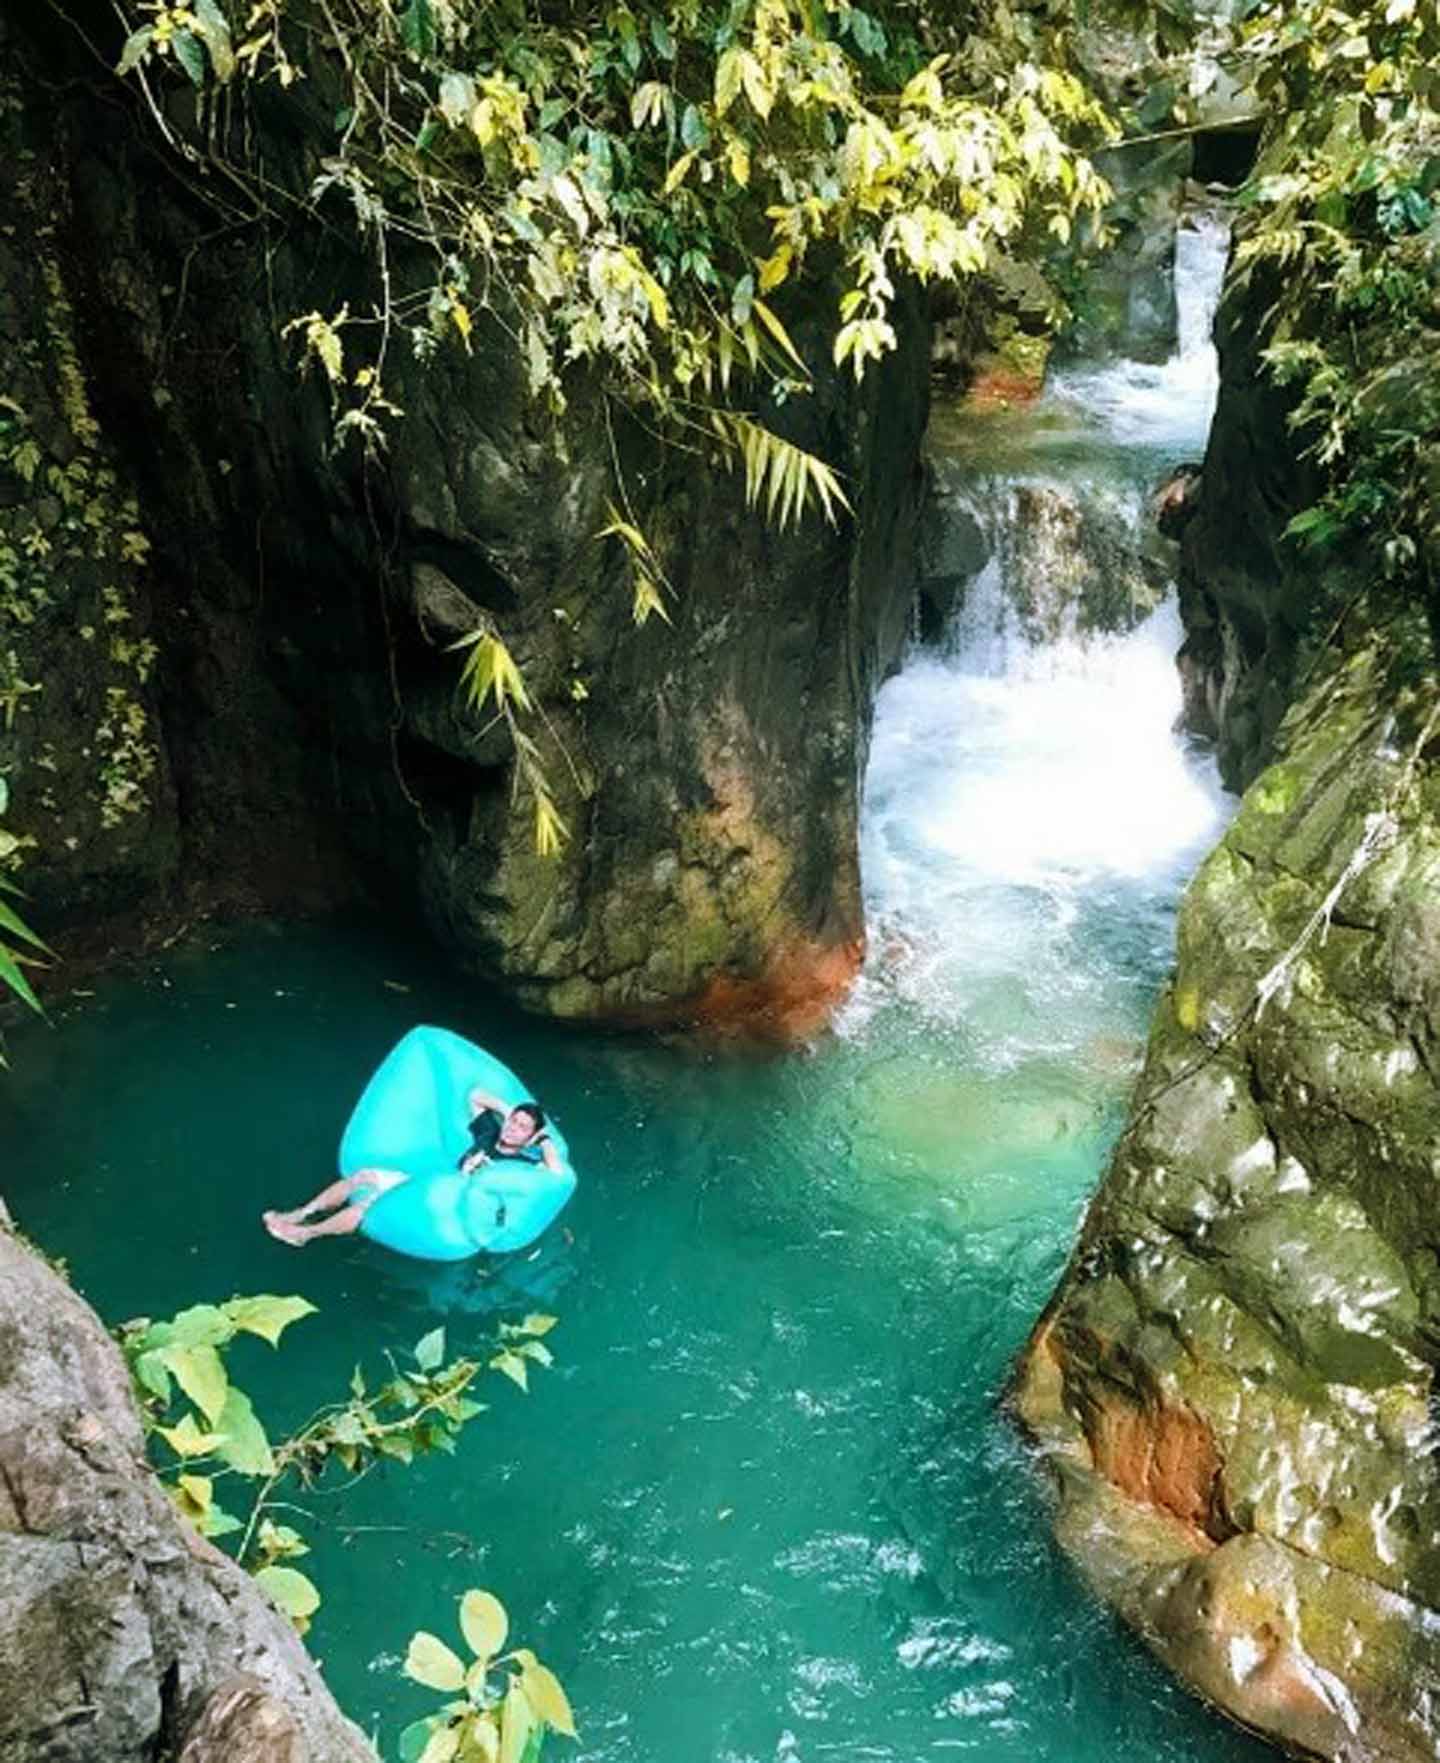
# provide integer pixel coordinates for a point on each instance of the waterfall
(1031, 812)
(1166, 407)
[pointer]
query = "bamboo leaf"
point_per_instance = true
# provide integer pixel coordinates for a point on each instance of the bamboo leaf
(778, 331)
(729, 74)
(11, 976)
(678, 171)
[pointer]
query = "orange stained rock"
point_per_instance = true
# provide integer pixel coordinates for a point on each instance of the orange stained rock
(1002, 386)
(1163, 1454)
(800, 988)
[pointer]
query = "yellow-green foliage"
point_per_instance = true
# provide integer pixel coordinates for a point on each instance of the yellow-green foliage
(213, 1446)
(636, 185)
(1343, 220)
(504, 1702)
(73, 525)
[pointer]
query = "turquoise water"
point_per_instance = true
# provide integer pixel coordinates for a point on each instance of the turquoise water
(763, 1507)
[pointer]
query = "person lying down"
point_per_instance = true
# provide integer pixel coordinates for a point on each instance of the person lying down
(497, 1133)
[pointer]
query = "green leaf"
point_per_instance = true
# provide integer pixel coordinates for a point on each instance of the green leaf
(417, 29)
(416, 1736)
(430, 1661)
(537, 1323)
(444, 1743)
(693, 132)
(187, 1440)
(431, 1350)
(518, 1723)
(729, 71)
(661, 38)
(190, 56)
(202, 1325)
(201, 1374)
(457, 97)
(280, 1542)
(290, 1591)
(213, 27)
(484, 1623)
(11, 976)
(512, 1367)
(243, 1444)
(199, 1490)
(151, 1375)
(267, 1316)
(134, 51)
(11, 921)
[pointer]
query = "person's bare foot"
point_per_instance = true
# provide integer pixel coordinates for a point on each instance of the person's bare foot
(284, 1229)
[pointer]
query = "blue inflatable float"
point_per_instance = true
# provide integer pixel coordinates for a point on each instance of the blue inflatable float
(414, 1116)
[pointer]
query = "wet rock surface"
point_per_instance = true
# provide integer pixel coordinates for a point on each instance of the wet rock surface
(1235, 1379)
(126, 1636)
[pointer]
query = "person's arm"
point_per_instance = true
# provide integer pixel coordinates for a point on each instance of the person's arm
(552, 1158)
(481, 1100)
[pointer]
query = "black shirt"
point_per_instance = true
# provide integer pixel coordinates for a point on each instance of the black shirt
(485, 1138)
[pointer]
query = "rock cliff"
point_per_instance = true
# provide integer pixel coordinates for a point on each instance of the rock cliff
(1234, 1382)
(127, 1637)
(307, 736)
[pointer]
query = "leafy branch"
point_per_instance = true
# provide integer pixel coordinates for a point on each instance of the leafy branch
(505, 1701)
(210, 1430)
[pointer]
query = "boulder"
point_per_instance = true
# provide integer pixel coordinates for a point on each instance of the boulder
(127, 1635)
(1235, 1380)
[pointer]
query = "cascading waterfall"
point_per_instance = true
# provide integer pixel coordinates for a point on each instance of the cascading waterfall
(1031, 811)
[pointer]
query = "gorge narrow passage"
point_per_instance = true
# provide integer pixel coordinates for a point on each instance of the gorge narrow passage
(763, 1508)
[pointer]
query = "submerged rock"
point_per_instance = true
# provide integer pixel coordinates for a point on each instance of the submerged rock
(127, 1636)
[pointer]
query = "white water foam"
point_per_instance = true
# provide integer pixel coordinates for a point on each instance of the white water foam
(1031, 812)
(1168, 405)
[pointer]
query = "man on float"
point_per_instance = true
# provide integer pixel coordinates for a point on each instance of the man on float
(497, 1132)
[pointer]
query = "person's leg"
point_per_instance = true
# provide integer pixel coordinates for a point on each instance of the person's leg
(325, 1201)
(362, 1189)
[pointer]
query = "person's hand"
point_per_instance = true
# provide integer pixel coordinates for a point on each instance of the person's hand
(473, 1161)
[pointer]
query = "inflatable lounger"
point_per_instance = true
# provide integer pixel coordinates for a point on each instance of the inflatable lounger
(414, 1116)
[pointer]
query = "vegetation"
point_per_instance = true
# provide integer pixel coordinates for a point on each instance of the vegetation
(1341, 225)
(206, 1428)
(503, 1702)
(650, 193)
